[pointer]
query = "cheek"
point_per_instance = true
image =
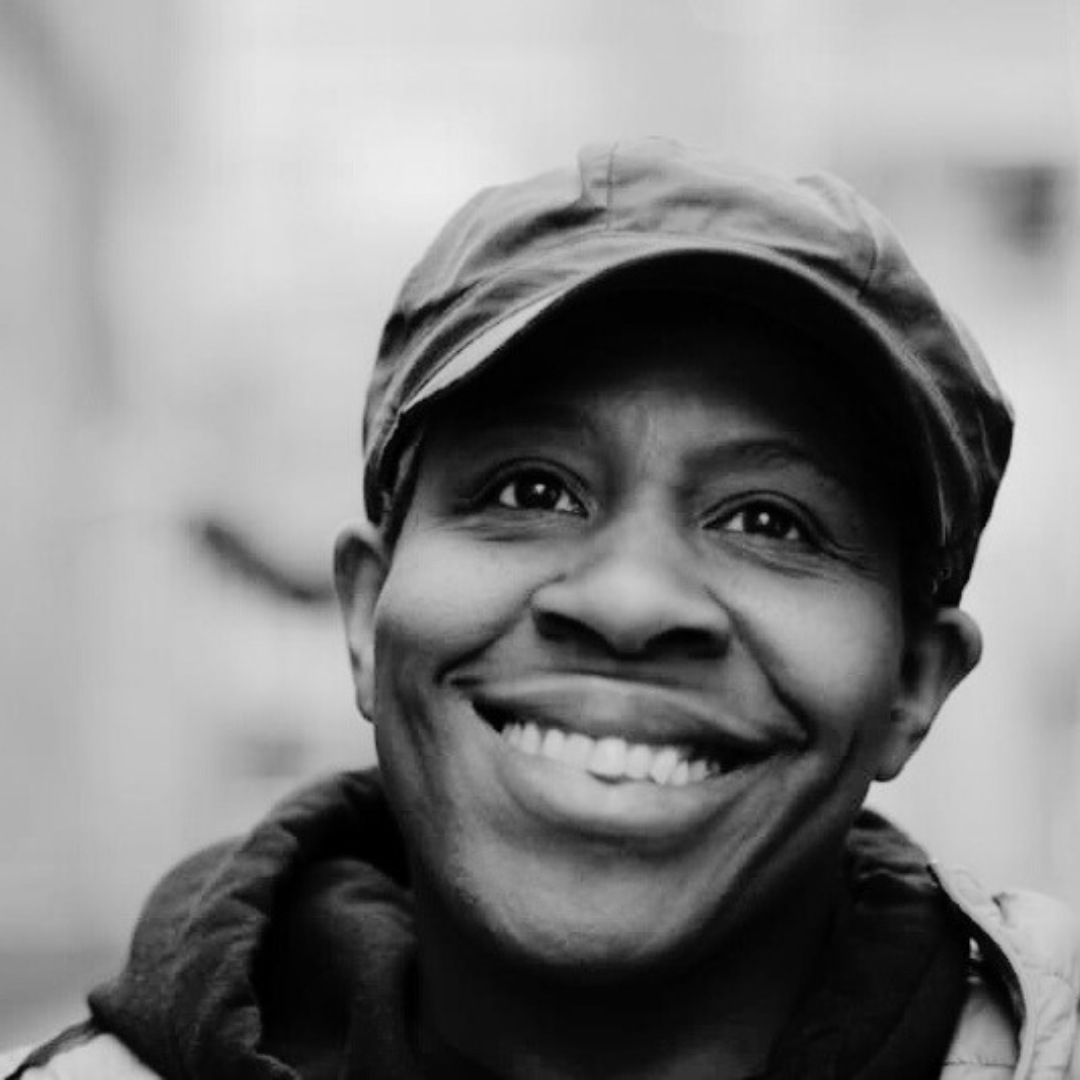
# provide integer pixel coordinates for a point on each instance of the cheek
(446, 599)
(859, 659)
(442, 598)
(837, 653)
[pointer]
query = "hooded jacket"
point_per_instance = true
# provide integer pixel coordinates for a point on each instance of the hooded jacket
(290, 956)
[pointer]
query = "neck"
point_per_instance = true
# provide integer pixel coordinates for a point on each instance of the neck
(719, 1017)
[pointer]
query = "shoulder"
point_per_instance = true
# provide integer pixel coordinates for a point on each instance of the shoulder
(80, 1054)
(1037, 931)
(1024, 984)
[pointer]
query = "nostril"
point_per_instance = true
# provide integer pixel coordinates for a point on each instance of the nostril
(690, 643)
(614, 632)
(566, 629)
(559, 627)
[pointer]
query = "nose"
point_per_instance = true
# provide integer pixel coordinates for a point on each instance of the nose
(637, 590)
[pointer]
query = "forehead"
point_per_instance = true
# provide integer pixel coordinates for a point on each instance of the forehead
(666, 360)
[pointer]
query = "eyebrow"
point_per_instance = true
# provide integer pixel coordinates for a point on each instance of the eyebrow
(763, 452)
(770, 452)
(846, 479)
(490, 423)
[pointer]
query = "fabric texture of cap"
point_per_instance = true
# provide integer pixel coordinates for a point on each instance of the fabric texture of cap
(809, 251)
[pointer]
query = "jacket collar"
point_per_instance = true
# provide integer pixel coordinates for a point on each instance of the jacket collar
(1025, 984)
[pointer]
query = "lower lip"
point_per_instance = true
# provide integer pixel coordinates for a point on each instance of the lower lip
(572, 799)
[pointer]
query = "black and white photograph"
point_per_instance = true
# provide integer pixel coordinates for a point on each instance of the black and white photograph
(541, 540)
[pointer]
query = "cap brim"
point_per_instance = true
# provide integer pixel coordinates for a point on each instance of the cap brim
(783, 290)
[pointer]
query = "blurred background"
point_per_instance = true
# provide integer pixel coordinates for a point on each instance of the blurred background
(205, 209)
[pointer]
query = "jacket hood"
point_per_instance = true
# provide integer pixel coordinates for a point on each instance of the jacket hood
(312, 906)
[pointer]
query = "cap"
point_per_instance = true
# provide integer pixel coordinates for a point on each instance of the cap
(809, 250)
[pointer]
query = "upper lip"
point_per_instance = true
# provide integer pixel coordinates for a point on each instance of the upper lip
(638, 711)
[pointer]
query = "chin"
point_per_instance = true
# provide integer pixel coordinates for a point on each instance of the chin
(595, 932)
(586, 953)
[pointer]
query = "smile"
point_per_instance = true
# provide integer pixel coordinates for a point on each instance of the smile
(612, 758)
(628, 733)
(621, 758)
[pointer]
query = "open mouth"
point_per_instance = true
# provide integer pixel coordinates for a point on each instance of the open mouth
(625, 730)
(611, 758)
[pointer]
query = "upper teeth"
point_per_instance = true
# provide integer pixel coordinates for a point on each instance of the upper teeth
(612, 758)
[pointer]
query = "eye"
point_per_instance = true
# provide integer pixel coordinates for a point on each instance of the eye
(768, 520)
(537, 489)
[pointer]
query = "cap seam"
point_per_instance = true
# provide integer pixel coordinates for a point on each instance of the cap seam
(609, 181)
(875, 258)
(407, 384)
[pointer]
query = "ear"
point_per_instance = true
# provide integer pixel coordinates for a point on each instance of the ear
(940, 652)
(360, 566)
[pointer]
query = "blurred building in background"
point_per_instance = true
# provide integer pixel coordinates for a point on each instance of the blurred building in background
(205, 208)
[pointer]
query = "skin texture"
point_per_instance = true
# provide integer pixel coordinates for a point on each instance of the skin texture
(669, 527)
